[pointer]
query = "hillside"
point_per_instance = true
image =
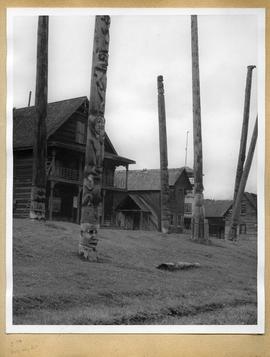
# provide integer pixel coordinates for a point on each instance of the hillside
(52, 285)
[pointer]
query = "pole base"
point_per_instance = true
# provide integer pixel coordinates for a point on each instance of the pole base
(88, 242)
(87, 253)
(200, 230)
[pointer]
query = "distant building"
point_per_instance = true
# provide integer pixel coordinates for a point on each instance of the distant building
(139, 208)
(66, 139)
(218, 213)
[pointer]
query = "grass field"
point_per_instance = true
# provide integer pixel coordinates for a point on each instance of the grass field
(52, 285)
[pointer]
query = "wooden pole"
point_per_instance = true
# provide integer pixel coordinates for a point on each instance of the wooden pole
(29, 98)
(38, 190)
(198, 214)
(164, 176)
(243, 142)
(232, 235)
(94, 154)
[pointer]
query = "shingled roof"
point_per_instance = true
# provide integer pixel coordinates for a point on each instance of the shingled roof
(58, 113)
(216, 208)
(146, 180)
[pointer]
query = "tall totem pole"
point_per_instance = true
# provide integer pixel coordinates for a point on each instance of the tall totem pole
(243, 142)
(242, 149)
(94, 154)
(199, 230)
(232, 235)
(164, 176)
(38, 190)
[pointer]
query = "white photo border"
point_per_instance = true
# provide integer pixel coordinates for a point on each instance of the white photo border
(259, 328)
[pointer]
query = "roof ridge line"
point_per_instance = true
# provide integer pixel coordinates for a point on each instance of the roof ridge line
(57, 101)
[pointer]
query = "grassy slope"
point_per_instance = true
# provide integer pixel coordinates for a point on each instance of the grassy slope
(53, 286)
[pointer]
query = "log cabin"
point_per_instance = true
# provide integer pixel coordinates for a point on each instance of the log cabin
(66, 139)
(139, 208)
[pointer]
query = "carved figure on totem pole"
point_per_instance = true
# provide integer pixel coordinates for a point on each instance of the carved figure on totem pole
(96, 126)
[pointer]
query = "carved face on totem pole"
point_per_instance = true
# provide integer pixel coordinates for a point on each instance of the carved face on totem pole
(89, 182)
(101, 61)
(99, 127)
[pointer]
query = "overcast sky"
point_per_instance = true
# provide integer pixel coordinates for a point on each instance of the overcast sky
(141, 48)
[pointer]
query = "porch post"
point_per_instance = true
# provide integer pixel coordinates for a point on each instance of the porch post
(103, 206)
(141, 220)
(78, 204)
(53, 162)
(126, 177)
(51, 200)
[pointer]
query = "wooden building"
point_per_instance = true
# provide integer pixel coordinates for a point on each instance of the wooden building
(139, 208)
(66, 138)
(248, 218)
(218, 213)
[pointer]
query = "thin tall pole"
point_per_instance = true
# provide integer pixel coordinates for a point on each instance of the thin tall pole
(94, 154)
(29, 98)
(232, 235)
(164, 176)
(198, 214)
(186, 148)
(38, 190)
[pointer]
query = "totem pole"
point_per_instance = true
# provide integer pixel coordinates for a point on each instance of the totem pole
(232, 235)
(243, 142)
(164, 176)
(38, 189)
(198, 222)
(94, 154)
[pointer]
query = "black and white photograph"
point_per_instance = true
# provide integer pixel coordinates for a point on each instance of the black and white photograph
(135, 170)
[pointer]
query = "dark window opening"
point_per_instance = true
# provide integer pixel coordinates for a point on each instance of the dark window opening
(243, 229)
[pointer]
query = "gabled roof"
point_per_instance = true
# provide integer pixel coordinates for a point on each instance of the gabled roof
(252, 199)
(146, 180)
(58, 113)
(138, 200)
(216, 208)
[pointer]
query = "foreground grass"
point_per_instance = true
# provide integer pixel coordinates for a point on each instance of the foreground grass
(53, 286)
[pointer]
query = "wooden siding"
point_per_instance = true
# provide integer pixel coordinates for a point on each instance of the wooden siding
(67, 132)
(247, 219)
(22, 182)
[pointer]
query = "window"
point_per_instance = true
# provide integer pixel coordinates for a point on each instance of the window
(243, 208)
(171, 219)
(243, 229)
(80, 133)
(188, 208)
